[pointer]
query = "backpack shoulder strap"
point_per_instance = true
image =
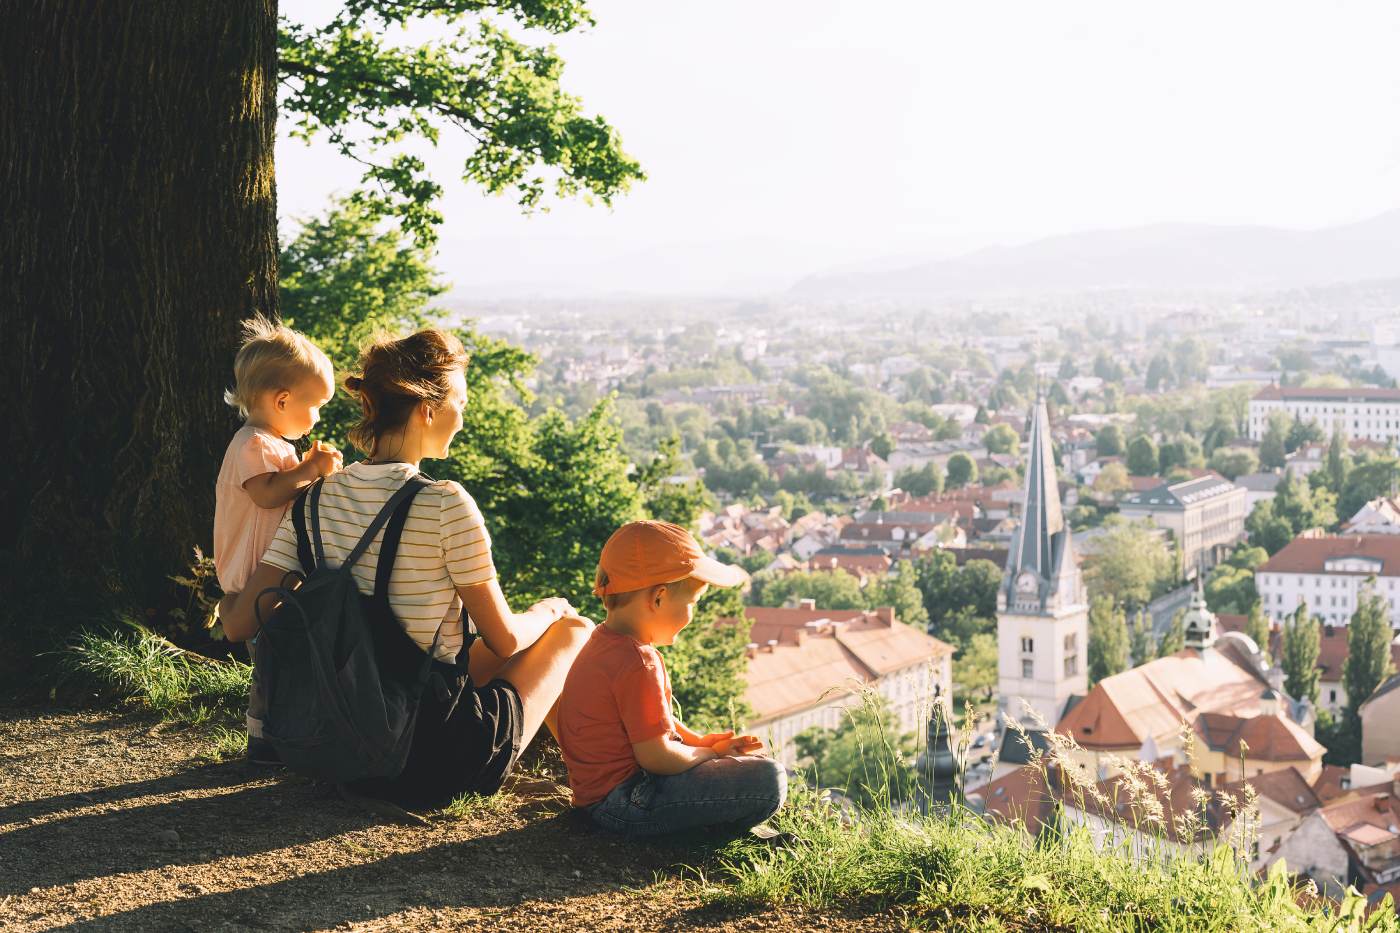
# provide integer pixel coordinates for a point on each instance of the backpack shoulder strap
(299, 509)
(407, 491)
(316, 521)
(393, 531)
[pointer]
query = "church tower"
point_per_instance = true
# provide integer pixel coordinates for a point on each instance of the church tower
(1042, 610)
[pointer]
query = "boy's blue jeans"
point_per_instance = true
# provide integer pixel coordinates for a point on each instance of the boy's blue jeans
(740, 792)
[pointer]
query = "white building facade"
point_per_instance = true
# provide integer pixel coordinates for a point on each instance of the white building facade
(1373, 414)
(1328, 573)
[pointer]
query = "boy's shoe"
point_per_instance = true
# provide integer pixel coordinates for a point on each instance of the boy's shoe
(262, 752)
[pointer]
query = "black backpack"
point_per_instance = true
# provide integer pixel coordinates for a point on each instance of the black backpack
(340, 680)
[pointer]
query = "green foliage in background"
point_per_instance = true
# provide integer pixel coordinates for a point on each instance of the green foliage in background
(499, 100)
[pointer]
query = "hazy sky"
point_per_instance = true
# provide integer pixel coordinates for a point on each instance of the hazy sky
(784, 137)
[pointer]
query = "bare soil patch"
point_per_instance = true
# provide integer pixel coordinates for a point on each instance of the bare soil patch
(117, 822)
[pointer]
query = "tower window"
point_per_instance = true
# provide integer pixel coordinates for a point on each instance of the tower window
(1027, 669)
(1027, 645)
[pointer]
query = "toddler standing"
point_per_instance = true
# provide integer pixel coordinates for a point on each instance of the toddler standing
(281, 380)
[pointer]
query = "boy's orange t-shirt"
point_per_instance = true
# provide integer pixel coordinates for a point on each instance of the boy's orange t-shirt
(617, 693)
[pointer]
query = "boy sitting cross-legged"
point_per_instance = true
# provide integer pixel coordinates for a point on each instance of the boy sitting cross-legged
(633, 768)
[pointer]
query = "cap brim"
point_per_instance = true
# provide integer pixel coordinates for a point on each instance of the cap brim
(717, 574)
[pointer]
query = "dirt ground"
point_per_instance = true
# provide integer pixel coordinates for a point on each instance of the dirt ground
(111, 822)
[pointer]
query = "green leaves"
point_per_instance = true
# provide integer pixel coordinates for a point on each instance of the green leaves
(369, 97)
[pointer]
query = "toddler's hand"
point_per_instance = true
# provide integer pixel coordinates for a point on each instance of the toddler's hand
(738, 745)
(325, 457)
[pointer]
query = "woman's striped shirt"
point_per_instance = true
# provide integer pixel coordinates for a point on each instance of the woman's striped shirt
(444, 545)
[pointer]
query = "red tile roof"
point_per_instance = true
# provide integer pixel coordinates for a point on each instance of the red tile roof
(814, 658)
(1124, 710)
(1310, 555)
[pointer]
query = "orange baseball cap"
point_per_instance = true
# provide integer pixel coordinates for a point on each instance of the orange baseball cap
(643, 554)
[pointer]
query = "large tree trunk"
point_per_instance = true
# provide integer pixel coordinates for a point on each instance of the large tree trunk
(137, 227)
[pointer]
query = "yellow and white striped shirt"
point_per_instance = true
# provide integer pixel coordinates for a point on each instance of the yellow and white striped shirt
(445, 545)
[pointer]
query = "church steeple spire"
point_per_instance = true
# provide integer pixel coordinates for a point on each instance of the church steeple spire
(1042, 615)
(1041, 560)
(1043, 515)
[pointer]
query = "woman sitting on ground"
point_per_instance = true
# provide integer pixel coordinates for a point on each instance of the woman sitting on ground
(412, 393)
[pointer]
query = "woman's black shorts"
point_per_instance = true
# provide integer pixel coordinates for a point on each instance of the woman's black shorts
(470, 751)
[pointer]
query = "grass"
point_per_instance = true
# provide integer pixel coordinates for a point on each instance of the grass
(947, 868)
(151, 673)
(955, 871)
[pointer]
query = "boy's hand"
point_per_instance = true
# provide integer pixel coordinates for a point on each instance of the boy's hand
(738, 745)
(708, 741)
(325, 458)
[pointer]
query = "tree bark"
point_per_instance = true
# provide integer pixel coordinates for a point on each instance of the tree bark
(137, 228)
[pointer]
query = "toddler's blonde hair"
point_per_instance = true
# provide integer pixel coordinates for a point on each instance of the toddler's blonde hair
(272, 356)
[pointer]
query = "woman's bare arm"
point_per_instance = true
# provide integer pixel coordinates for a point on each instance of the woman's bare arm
(240, 619)
(507, 633)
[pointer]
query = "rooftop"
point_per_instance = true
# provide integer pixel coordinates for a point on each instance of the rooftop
(1180, 495)
(1310, 555)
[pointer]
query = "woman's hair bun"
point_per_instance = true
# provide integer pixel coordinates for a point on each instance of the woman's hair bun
(354, 383)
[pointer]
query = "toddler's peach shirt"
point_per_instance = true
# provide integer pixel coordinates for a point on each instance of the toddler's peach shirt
(242, 529)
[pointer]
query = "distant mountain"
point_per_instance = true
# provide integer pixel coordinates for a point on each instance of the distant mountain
(1164, 256)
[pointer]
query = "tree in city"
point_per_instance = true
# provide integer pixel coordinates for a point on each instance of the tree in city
(1304, 506)
(1230, 586)
(1267, 530)
(926, 480)
(831, 589)
(1301, 643)
(1181, 452)
(1159, 373)
(1174, 638)
(949, 590)
(882, 445)
(1002, 439)
(167, 148)
(899, 590)
(1142, 647)
(1301, 432)
(1190, 361)
(866, 757)
(962, 470)
(1234, 462)
(1272, 452)
(1108, 639)
(1367, 480)
(1368, 661)
(975, 673)
(1142, 456)
(1112, 481)
(1257, 627)
(1128, 562)
(1338, 462)
(1109, 441)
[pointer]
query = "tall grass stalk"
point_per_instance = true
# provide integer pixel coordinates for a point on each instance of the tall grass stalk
(151, 673)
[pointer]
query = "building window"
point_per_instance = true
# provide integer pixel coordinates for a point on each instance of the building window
(1027, 669)
(1071, 665)
(1027, 645)
(1331, 696)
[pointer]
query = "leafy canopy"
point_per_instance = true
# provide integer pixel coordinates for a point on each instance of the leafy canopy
(373, 99)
